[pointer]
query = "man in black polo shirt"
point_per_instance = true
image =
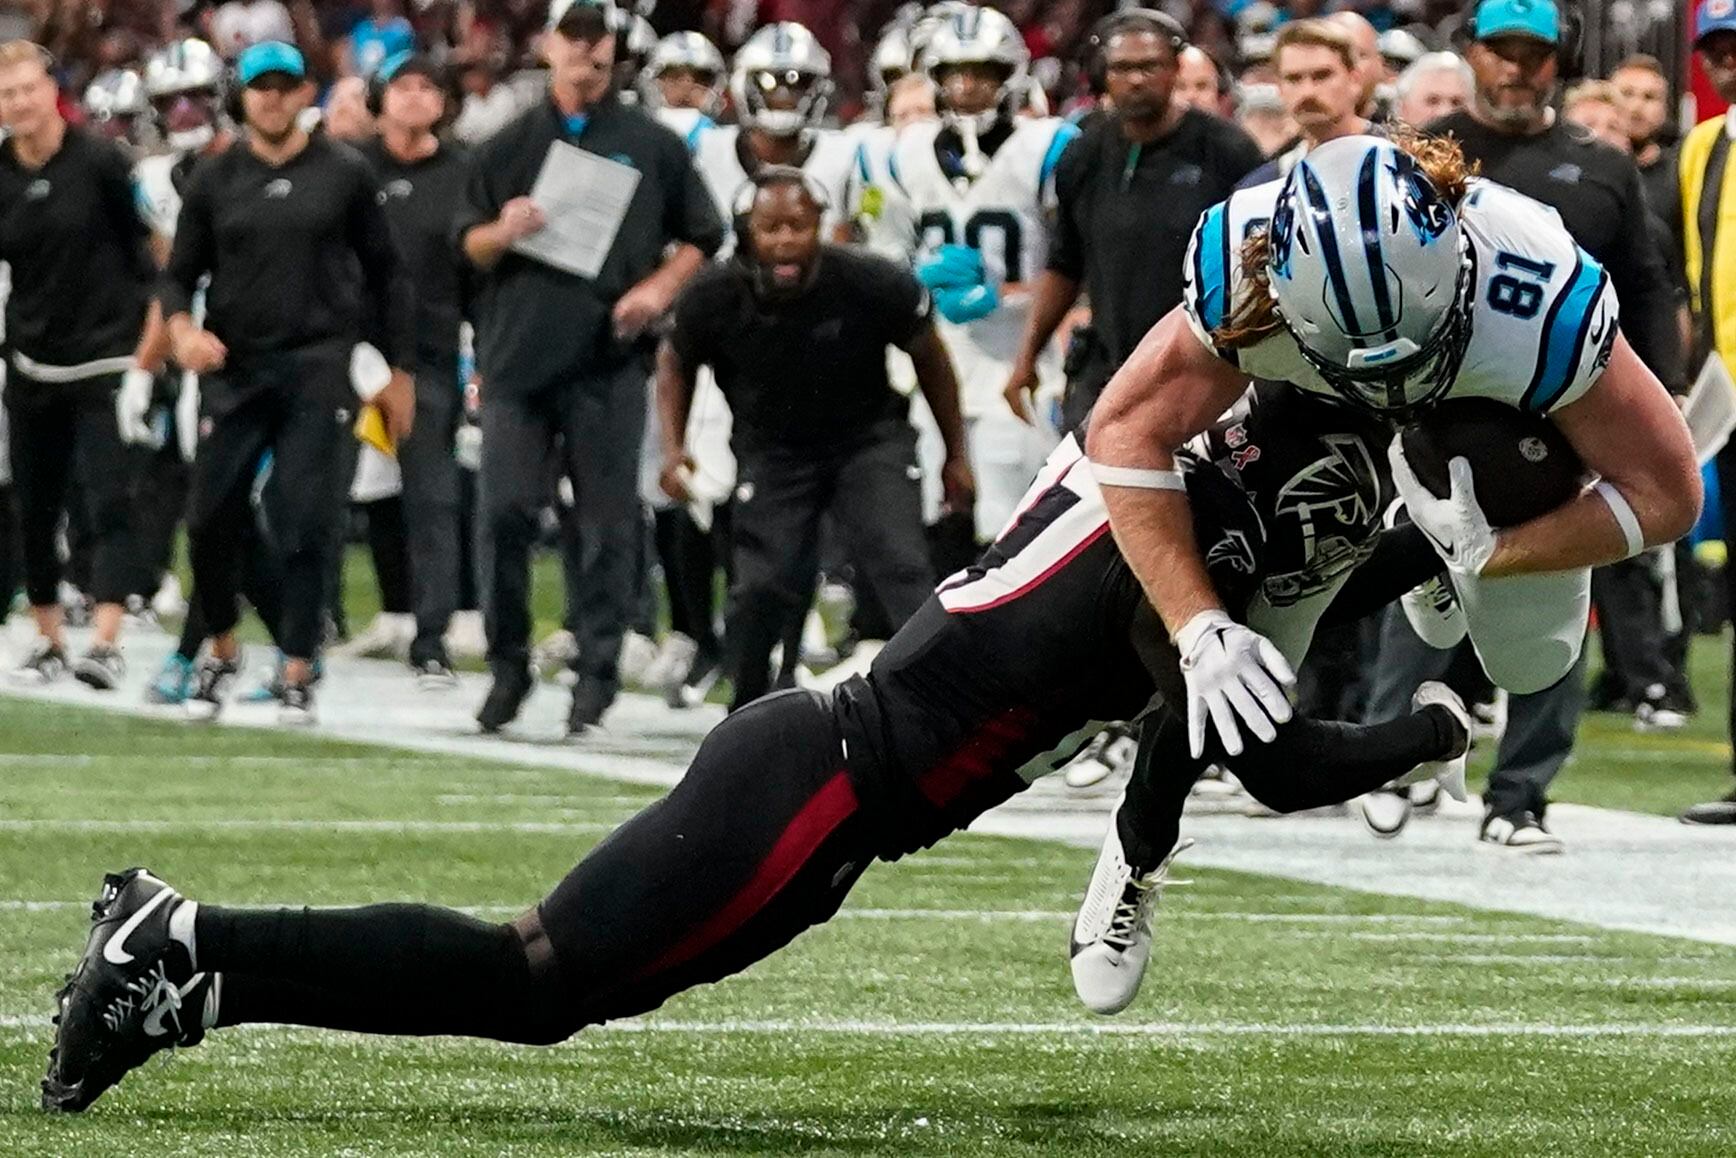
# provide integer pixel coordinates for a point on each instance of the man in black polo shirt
(302, 268)
(80, 296)
(1130, 191)
(424, 181)
(560, 355)
(796, 333)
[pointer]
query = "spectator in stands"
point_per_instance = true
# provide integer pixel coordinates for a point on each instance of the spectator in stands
(1261, 114)
(1643, 92)
(1370, 66)
(379, 36)
(1200, 83)
(1435, 86)
(346, 116)
(1708, 204)
(1594, 106)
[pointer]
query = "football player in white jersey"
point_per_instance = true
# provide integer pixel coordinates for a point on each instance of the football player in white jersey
(782, 87)
(682, 83)
(1380, 275)
(115, 106)
(980, 181)
(183, 81)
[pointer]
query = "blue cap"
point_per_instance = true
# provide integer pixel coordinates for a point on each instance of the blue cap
(269, 56)
(1714, 16)
(1538, 19)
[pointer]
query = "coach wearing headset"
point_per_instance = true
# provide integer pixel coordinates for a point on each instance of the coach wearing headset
(423, 182)
(796, 332)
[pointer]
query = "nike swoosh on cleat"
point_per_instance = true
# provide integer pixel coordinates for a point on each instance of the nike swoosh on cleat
(114, 951)
(154, 1021)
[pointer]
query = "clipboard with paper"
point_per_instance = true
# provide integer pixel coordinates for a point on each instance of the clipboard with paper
(1711, 409)
(584, 198)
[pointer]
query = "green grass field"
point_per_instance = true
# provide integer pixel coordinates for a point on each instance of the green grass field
(935, 1016)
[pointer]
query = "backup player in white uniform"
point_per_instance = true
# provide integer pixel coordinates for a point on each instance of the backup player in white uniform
(682, 83)
(980, 182)
(1375, 274)
(782, 86)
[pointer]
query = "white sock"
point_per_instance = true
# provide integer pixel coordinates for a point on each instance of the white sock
(181, 928)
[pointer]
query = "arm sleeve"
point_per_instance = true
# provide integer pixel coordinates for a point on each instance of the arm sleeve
(194, 252)
(388, 298)
(482, 200)
(906, 305)
(1067, 244)
(692, 319)
(1644, 286)
(121, 200)
(688, 212)
(1577, 340)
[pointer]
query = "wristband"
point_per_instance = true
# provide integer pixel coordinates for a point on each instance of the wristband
(1624, 517)
(1138, 478)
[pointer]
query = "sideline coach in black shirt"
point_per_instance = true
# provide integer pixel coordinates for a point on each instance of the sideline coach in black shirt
(559, 356)
(424, 181)
(81, 293)
(1129, 192)
(302, 268)
(797, 332)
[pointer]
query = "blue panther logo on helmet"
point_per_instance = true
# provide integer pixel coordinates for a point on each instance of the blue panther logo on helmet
(1283, 233)
(1429, 214)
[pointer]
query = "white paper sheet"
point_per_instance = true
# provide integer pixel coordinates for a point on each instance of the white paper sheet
(1711, 409)
(585, 198)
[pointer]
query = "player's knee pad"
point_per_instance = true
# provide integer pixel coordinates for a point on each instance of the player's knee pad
(1528, 629)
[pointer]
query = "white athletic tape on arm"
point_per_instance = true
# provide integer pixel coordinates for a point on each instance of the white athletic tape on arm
(1624, 516)
(1139, 478)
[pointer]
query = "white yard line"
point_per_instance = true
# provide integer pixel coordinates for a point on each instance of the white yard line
(1622, 871)
(1175, 1029)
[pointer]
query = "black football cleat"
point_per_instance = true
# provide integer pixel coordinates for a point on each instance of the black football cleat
(512, 686)
(133, 993)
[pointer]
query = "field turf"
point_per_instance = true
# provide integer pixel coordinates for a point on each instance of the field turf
(935, 1016)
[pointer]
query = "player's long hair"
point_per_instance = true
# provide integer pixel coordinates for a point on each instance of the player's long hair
(1253, 316)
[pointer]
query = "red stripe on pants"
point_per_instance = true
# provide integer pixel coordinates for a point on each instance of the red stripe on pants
(983, 754)
(828, 808)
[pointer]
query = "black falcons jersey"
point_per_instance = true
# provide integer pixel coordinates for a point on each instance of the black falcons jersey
(1018, 659)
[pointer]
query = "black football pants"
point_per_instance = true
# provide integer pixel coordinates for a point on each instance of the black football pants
(597, 425)
(430, 506)
(299, 409)
(60, 431)
(872, 487)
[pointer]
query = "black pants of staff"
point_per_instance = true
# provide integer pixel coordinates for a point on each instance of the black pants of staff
(1541, 726)
(871, 486)
(431, 507)
(299, 408)
(599, 422)
(691, 559)
(1630, 623)
(159, 502)
(61, 432)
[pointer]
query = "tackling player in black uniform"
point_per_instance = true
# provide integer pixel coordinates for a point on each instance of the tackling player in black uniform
(996, 680)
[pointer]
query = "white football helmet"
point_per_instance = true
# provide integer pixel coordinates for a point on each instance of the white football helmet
(978, 36)
(634, 38)
(892, 59)
(180, 72)
(1371, 274)
(782, 57)
(690, 51)
(116, 105)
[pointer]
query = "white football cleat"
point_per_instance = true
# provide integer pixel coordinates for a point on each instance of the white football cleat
(1448, 773)
(466, 637)
(388, 637)
(1385, 811)
(1110, 751)
(1111, 941)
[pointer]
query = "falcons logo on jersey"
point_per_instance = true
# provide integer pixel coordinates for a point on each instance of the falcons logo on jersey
(1335, 501)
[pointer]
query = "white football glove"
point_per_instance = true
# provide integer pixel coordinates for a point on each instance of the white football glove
(133, 404)
(1231, 670)
(1456, 524)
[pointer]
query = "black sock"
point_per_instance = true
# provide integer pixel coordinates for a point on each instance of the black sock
(400, 969)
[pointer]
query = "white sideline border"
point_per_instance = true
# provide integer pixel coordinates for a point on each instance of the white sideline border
(1622, 871)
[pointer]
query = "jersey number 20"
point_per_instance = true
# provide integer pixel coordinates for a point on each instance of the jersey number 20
(937, 230)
